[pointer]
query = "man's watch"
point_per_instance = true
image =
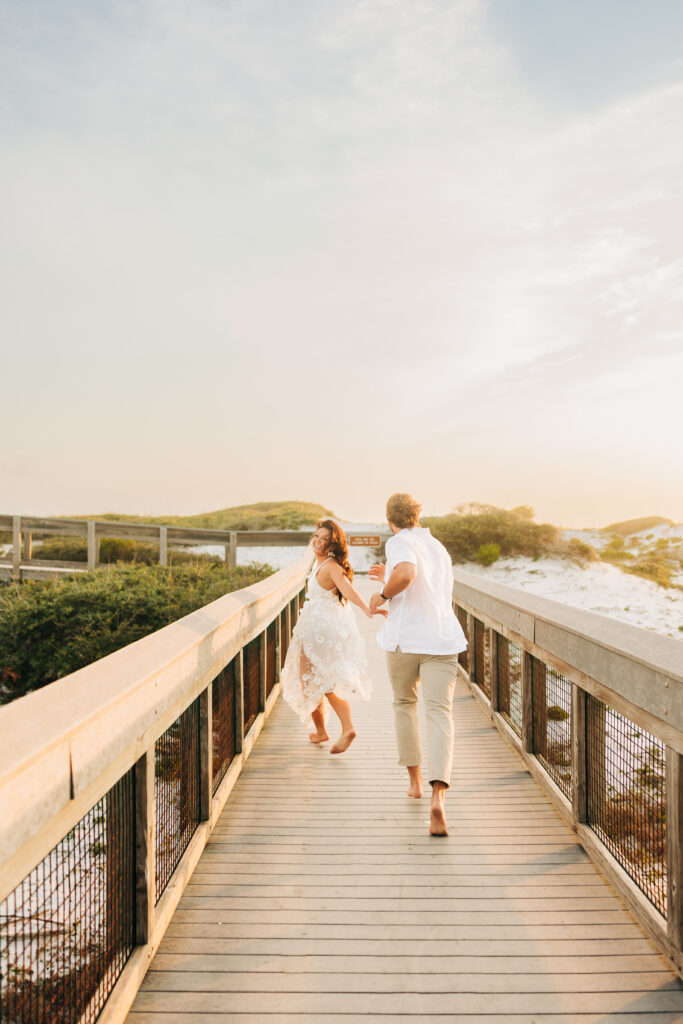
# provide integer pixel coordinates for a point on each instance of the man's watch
(384, 596)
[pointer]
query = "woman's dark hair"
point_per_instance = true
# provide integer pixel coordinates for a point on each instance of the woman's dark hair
(337, 549)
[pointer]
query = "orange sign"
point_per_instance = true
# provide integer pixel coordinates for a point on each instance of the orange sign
(365, 542)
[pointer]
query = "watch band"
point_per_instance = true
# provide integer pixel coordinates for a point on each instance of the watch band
(384, 596)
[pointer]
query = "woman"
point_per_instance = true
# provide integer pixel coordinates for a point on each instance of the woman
(326, 655)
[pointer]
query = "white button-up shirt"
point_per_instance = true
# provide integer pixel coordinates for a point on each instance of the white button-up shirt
(421, 619)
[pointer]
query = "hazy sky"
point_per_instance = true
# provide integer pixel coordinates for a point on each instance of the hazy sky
(329, 249)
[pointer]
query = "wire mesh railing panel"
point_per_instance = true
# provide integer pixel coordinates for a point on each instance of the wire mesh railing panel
(68, 929)
(626, 783)
(552, 723)
(294, 611)
(252, 676)
(176, 792)
(510, 682)
(463, 657)
(284, 636)
(223, 737)
(482, 658)
(271, 673)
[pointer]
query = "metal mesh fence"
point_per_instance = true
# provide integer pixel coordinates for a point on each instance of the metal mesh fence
(68, 929)
(627, 796)
(176, 792)
(482, 658)
(271, 671)
(223, 718)
(510, 682)
(284, 636)
(252, 675)
(294, 611)
(463, 657)
(552, 721)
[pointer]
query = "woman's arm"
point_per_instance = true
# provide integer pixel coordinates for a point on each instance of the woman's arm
(345, 587)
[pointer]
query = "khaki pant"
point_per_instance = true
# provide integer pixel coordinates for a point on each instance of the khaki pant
(437, 673)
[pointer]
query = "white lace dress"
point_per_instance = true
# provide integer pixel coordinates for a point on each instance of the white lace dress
(326, 652)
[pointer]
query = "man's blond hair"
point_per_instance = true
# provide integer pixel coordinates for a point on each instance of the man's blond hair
(403, 511)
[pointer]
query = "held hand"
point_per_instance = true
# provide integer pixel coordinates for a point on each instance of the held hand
(375, 604)
(376, 572)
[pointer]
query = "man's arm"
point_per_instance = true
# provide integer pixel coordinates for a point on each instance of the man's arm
(401, 578)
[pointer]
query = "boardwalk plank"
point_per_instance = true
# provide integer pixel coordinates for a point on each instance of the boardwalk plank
(321, 898)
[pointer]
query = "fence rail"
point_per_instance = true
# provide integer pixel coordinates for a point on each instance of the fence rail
(595, 708)
(111, 781)
(21, 563)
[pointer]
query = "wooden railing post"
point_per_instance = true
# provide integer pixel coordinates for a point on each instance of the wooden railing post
(471, 655)
(493, 670)
(527, 704)
(92, 545)
(579, 766)
(205, 753)
(674, 841)
(239, 702)
(163, 545)
(27, 545)
(263, 669)
(278, 648)
(16, 547)
(145, 856)
(231, 550)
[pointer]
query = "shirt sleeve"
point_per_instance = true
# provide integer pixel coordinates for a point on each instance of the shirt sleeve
(399, 550)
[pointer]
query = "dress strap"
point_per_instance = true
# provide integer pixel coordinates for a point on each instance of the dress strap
(315, 574)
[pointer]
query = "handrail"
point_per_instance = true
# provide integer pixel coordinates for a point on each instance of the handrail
(595, 709)
(69, 748)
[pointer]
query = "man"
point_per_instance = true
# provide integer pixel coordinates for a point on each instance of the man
(422, 638)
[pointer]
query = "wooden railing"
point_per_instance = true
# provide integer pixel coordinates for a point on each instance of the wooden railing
(595, 709)
(22, 563)
(111, 781)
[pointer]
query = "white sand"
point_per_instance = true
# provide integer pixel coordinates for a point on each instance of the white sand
(600, 588)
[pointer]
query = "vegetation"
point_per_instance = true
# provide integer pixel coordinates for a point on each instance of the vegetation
(488, 554)
(51, 628)
(75, 549)
(629, 526)
(264, 515)
(512, 531)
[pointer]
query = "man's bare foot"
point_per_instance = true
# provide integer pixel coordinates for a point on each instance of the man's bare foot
(344, 742)
(437, 821)
(318, 737)
(415, 779)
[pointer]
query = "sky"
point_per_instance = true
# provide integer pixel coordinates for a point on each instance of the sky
(326, 250)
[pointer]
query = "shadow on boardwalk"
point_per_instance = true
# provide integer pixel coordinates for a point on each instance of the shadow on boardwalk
(321, 897)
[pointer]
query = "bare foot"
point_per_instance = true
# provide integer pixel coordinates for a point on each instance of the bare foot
(437, 821)
(415, 790)
(318, 737)
(344, 742)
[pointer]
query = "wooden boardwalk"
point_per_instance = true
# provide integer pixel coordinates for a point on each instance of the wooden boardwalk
(321, 897)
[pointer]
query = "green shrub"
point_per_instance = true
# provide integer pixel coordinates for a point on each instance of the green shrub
(53, 627)
(471, 526)
(557, 714)
(113, 550)
(651, 568)
(488, 554)
(580, 551)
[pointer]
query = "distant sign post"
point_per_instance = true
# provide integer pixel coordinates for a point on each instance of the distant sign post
(365, 540)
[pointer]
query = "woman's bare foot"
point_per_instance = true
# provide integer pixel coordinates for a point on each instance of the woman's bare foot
(318, 737)
(344, 742)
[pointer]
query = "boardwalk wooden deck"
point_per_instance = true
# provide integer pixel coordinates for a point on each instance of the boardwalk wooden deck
(320, 897)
